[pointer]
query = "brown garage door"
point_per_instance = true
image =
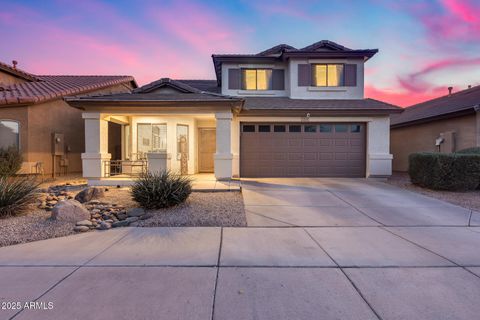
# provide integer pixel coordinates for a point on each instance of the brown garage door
(302, 150)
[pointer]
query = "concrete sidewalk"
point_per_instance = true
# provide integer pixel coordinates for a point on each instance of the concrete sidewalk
(315, 248)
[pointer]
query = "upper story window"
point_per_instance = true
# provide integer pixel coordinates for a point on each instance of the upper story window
(328, 75)
(257, 79)
(9, 134)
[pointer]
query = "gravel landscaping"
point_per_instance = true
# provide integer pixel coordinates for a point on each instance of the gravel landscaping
(110, 208)
(32, 226)
(469, 199)
(223, 209)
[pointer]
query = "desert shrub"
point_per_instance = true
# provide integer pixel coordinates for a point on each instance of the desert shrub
(10, 161)
(161, 190)
(16, 193)
(440, 171)
(474, 150)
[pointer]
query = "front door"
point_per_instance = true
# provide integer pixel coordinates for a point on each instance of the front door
(206, 149)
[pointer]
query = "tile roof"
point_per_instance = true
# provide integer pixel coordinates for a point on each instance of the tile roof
(48, 87)
(285, 103)
(17, 72)
(446, 106)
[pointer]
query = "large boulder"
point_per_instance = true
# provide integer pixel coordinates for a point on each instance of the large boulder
(89, 194)
(70, 211)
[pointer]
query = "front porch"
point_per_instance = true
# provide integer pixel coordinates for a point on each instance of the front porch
(121, 146)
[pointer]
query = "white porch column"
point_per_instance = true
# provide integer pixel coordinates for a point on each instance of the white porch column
(96, 145)
(224, 156)
(379, 159)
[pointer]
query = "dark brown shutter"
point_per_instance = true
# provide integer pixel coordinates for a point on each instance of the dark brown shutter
(234, 79)
(278, 79)
(351, 75)
(304, 75)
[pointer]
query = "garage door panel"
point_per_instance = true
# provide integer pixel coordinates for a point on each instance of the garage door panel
(303, 154)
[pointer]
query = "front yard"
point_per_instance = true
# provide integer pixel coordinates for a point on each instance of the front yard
(467, 199)
(115, 207)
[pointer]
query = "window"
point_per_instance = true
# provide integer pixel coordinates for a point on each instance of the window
(355, 128)
(151, 138)
(248, 128)
(341, 128)
(257, 79)
(263, 128)
(9, 134)
(295, 128)
(328, 75)
(182, 141)
(310, 128)
(279, 128)
(325, 127)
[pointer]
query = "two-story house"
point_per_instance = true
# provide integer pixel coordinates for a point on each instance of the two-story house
(283, 112)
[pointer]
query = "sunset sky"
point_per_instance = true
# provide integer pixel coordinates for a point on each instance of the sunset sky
(425, 46)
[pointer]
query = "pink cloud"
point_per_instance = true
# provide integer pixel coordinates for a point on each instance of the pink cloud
(452, 20)
(416, 82)
(200, 28)
(400, 97)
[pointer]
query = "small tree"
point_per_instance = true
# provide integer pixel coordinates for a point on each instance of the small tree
(10, 161)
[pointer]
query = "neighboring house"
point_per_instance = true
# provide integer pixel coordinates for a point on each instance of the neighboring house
(32, 110)
(446, 124)
(283, 112)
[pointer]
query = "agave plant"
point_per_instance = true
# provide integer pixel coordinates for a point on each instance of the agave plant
(161, 190)
(16, 193)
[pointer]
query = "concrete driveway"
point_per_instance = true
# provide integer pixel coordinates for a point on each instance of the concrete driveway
(314, 249)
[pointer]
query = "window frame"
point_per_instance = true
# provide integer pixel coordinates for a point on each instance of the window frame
(314, 83)
(151, 137)
(242, 79)
(19, 134)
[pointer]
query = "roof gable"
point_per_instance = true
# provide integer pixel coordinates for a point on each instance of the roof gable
(162, 86)
(278, 49)
(325, 45)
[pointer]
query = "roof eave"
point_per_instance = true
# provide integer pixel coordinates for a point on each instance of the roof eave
(317, 112)
(455, 114)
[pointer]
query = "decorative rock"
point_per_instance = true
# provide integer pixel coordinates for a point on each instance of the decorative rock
(121, 216)
(81, 228)
(104, 225)
(146, 216)
(135, 212)
(123, 223)
(132, 219)
(94, 202)
(86, 223)
(89, 194)
(69, 210)
(134, 224)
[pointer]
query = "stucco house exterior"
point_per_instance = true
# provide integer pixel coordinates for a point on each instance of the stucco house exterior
(446, 124)
(35, 119)
(283, 112)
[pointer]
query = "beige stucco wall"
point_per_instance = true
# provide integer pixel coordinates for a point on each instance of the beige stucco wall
(418, 138)
(39, 121)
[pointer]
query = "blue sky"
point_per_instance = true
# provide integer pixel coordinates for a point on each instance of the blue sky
(425, 46)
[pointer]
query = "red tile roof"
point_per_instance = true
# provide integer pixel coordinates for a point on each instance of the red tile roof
(43, 88)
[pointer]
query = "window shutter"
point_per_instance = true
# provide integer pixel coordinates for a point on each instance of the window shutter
(278, 79)
(304, 75)
(234, 82)
(351, 75)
